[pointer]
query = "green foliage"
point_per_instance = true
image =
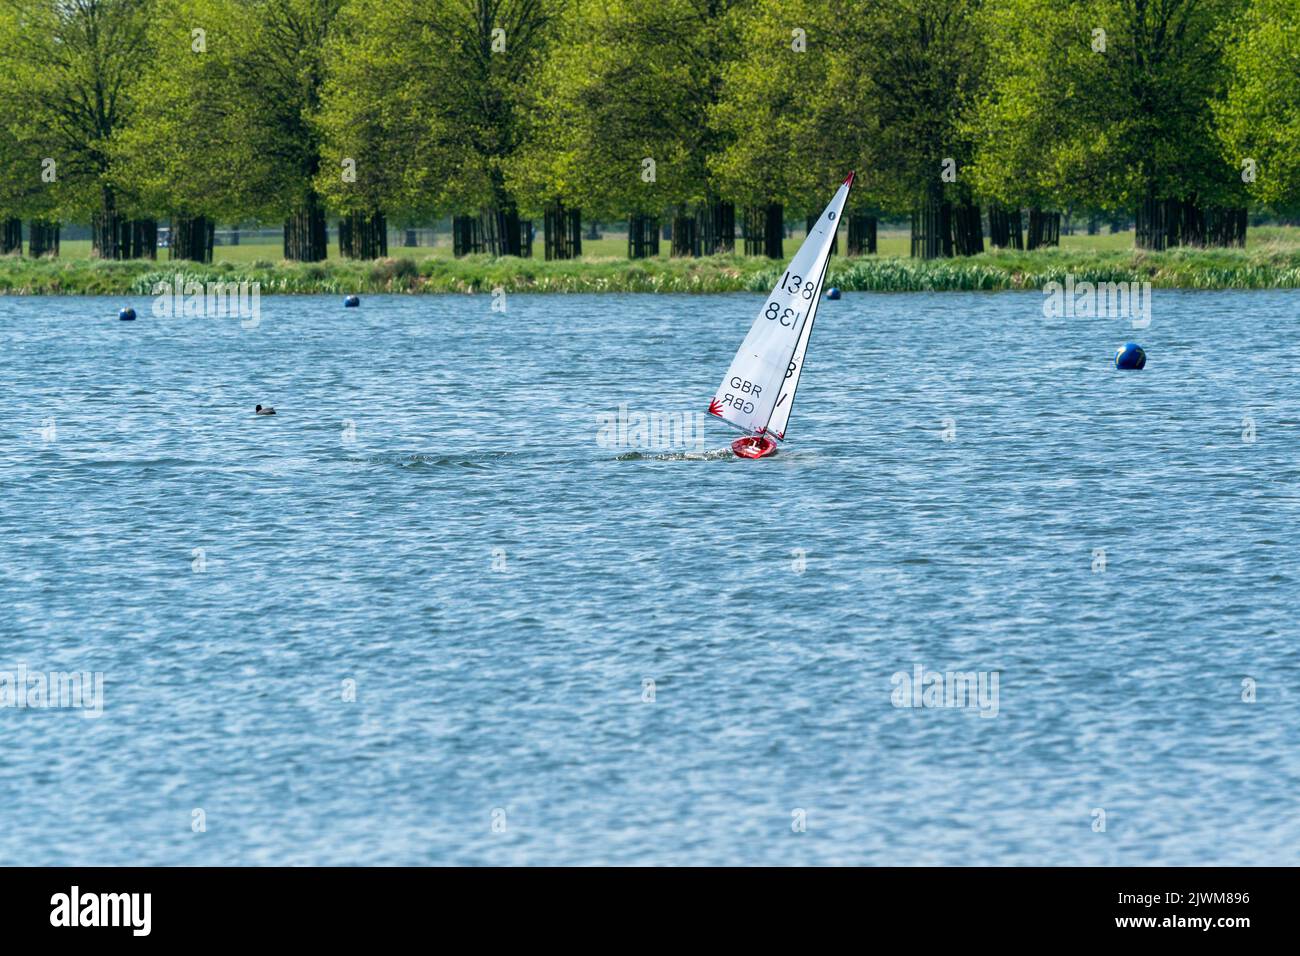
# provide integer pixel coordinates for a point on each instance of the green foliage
(233, 107)
(880, 89)
(632, 81)
(782, 142)
(921, 64)
(69, 78)
(1259, 114)
(434, 100)
(455, 106)
(191, 155)
(1063, 122)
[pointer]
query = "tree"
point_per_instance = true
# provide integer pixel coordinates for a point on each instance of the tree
(22, 192)
(1259, 113)
(245, 108)
(881, 90)
(775, 133)
(433, 99)
(799, 112)
(69, 70)
(1107, 103)
(583, 152)
(385, 151)
(277, 69)
(548, 174)
(631, 116)
(927, 65)
(193, 158)
(236, 107)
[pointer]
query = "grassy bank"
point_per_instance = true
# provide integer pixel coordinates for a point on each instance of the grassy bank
(1273, 264)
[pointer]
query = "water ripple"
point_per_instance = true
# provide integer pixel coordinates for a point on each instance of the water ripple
(566, 652)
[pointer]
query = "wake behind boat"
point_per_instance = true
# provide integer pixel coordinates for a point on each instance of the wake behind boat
(757, 393)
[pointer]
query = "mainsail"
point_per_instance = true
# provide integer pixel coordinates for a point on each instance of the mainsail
(758, 390)
(781, 413)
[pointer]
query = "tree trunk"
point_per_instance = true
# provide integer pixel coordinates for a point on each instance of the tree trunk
(573, 226)
(234, 234)
(1225, 226)
(1150, 230)
(764, 229)
(774, 231)
(862, 235)
(106, 227)
(465, 238)
(1005, 227)
(685, 238)
(642, 237)
(113, 236)
(715, 225)
(1152, 225)
(363, 235)
(501, 231)
(1185, 222)
(42, 238)
(1044, 228)
(562, 232)
(11, 236)
(751, 227)
(810, 221)
(932, 226)
(1193, 224)
(192, 238)
(999, 227)
(141, 239)
(968, 229)
(305, 236)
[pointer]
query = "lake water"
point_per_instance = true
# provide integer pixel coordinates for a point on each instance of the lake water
(426, 614)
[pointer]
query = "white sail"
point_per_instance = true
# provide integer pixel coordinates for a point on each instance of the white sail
(765, 368)
(776, 425)
(785, 403)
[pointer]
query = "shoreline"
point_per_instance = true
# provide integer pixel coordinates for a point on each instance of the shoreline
(1268, 266)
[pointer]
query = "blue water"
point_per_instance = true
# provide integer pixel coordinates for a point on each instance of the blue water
(501, 587)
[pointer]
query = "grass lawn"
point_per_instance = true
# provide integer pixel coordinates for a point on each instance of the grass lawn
(1271, 260)
(614, 246)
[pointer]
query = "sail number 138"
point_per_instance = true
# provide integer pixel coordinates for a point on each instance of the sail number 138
(794, 285)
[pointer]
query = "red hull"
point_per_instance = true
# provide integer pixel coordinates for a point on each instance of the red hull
(754, 446)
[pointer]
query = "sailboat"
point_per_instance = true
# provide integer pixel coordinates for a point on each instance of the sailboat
(757, 393)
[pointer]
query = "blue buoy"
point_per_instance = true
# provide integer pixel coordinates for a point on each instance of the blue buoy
(1131, 357)
(832, 293)
(351, 301)
(127, 314)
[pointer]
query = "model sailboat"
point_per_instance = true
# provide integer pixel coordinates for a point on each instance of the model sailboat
(758, 391)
